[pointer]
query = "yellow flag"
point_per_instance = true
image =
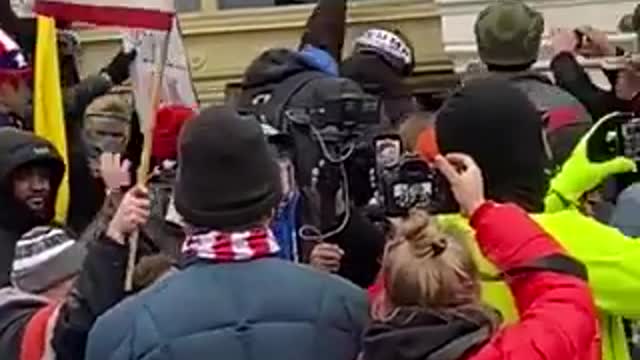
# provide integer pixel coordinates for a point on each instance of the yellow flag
(47, 102)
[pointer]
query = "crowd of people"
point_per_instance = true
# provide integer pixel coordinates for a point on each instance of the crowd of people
(276, 226)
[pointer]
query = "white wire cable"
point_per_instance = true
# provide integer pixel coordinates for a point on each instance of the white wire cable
(312, 233)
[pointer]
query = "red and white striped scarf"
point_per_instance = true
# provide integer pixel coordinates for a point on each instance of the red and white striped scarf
(239, 246)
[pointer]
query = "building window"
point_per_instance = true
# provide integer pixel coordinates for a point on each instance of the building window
(185, 6)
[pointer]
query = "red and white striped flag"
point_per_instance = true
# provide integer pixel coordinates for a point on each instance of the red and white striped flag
(147, 14)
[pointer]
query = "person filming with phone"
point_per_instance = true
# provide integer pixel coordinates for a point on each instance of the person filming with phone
(431, 306)
(498, 126)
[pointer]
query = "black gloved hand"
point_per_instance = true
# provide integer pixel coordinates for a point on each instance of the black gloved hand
(118, 69)
(325, 28)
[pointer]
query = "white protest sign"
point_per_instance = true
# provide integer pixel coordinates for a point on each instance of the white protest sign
(177, 86)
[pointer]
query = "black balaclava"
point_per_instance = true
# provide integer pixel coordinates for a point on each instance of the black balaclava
(18, 149)
(498, 126)
(377, 77)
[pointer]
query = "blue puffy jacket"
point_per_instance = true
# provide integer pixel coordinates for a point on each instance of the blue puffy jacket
(263, 309)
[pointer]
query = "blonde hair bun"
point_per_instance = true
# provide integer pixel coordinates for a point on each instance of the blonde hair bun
(428, 265)
(423, 234)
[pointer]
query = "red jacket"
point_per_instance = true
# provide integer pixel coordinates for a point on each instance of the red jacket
(557, 315)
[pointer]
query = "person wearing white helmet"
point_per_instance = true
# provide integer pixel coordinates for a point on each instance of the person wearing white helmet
(15, 72)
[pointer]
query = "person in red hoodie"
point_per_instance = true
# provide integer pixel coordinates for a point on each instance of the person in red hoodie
(430, 306)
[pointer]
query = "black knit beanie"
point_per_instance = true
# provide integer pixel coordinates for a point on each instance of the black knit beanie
(227, 179)
(497, 125)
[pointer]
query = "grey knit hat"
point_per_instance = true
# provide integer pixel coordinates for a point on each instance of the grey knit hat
(46, 256)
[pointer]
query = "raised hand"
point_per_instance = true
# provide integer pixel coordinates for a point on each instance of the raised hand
(114, 172)
(133, 212)
(326, 257)
(466, 181)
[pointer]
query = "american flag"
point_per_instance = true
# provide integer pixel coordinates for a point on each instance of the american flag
(11, 58)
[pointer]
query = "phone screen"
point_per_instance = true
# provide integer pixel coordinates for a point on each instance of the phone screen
(388, 152)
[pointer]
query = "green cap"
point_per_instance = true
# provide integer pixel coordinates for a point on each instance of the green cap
(509, 33)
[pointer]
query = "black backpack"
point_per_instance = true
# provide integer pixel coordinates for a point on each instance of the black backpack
(271, 101)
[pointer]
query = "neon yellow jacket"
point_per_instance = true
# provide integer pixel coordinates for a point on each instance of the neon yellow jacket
(613, 262)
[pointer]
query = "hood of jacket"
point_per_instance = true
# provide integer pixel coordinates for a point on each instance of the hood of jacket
(495, 123)
(273, 66)
(18, 148)
(415, 334)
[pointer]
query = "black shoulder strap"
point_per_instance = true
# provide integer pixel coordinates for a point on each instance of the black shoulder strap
(269, 102)
(557, 263)
(284, 92)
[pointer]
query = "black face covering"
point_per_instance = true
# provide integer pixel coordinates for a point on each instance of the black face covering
(497, 125)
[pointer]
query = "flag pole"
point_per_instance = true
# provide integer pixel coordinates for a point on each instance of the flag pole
(145, 159)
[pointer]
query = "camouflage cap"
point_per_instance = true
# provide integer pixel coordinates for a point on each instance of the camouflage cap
(111, 105)
(509, 33)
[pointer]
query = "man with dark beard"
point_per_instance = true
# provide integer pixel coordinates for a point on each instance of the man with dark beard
(36, 326)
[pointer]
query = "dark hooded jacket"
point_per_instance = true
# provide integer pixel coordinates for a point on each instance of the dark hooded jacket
(28, 323)
(361, 240)
(465, 125)
(17, 149)
(415, 334)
